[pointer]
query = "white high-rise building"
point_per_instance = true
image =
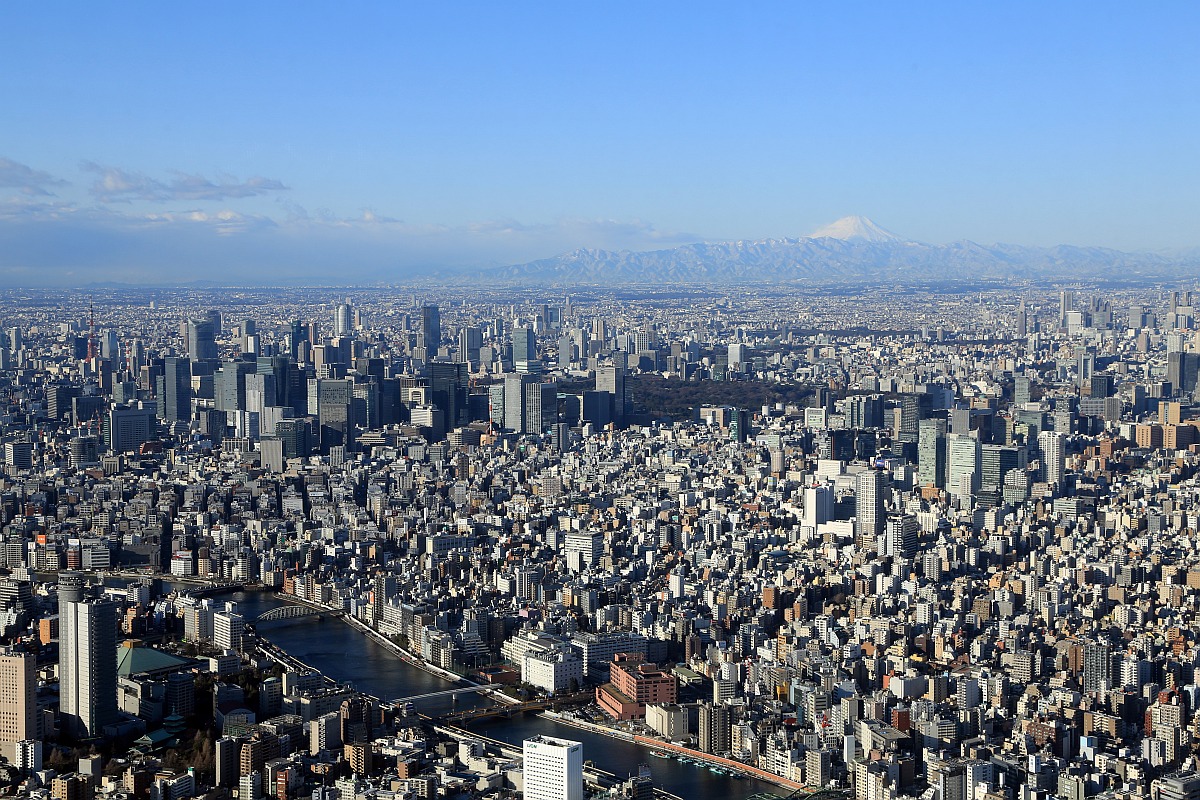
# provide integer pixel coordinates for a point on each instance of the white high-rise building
(87, 667)
(584, 549)
(553, 769)
(818, 505)
(870, 488)
(900, 536)
(964, 458)
(343, 319)
(28, 755)
(1053, 459)
(229, 630)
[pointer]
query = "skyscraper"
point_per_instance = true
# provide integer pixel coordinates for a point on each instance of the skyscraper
(525, 351)
(964, 455)
(870, 488)
(298, 333)
(1022, 391)
(343, 319)
(994, 463)
(931, 452)
(913, 409)
(334, 398)
(1182, 372)
(260, 391)
(87, 666)
(249, 336)
(553, 769)
(229, 386)
(175, 399)
(1097, 667)
(1053, 460)
(1066, 302)
(865, 411)
(448, 391)
(612, 380)
(18, 700)
(470, 340)
(529, 406)
(431, 328)
(202, 339)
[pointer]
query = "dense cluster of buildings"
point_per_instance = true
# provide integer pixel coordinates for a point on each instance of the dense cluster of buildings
(965, 569)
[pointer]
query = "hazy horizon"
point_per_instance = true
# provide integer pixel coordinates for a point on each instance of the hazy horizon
(147, 143)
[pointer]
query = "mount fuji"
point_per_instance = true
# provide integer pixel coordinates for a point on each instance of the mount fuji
(858, 229)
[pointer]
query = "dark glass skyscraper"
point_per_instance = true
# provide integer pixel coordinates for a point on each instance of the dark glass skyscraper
(298, 332)
(448, 391)
(202, 339)
(431, 328)
(175, 396)
(229, 385)
(525, 350)
(612, 380)
(334, 399)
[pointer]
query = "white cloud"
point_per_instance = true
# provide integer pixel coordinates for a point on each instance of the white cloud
(29, 181)
(57, 244)
(116, 185)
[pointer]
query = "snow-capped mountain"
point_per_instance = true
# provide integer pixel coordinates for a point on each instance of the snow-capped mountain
(851, 249)
(855, 229)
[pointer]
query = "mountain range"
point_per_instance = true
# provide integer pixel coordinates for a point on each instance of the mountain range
(852, 249)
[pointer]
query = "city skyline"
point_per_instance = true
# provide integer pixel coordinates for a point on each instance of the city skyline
(323, 543)
(396, 141)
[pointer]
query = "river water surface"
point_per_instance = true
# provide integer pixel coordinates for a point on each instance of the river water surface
(346, 655)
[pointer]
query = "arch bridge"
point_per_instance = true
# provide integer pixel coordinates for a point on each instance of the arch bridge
(293, 612)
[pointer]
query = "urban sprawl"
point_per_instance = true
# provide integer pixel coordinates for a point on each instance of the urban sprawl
(885, 543)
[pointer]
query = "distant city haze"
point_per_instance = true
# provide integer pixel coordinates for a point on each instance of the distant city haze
(254, 145)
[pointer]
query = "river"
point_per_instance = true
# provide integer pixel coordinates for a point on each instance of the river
(344, 654)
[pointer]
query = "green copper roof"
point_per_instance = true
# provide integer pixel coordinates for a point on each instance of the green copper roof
(141, 660)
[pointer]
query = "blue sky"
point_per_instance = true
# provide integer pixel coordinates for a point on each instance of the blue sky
(372, 141)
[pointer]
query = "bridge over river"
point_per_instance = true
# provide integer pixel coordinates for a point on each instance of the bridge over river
(294, 612)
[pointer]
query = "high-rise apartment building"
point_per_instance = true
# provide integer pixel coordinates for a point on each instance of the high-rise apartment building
(87, 666)
(1097, 667)
(715, 727)
(870, 494)
(229, 630)
(1053, 459)
(900, 536)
